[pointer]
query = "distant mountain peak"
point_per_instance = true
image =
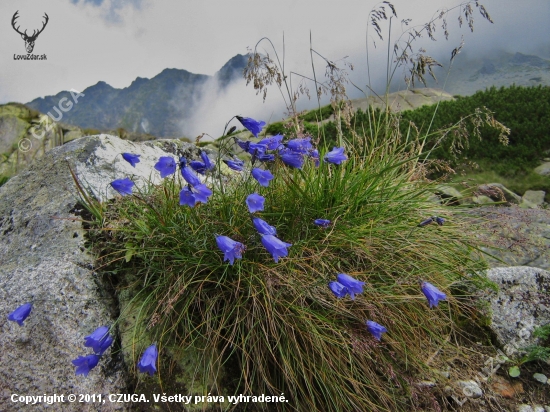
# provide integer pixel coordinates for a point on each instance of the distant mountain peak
(147, 105)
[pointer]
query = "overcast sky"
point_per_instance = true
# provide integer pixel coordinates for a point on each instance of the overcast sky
(118, 40)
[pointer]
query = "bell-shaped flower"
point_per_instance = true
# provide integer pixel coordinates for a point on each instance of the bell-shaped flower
(189, 176)
(353, 285)
(322, 222)
(256, 149)
(336, 156)
(376, 329)
(243, 144)
(426, 222)
(148, 361)
(338, 289)
(255, 202)
(276, 247)
(207, 162)
(433, 294)
(198, 167)
(21, 313)
(273, 142)
(235, 164)
(263, 227)
(262, 176)
(99, 340)
(166, 165)
(84, 364)
(187, 197)
(439, 220)
(292, 159)
(252, 125)
(131, 158)
(123, 186)
(202, 193)
(266, 157)
(302, 146)
(231, 248)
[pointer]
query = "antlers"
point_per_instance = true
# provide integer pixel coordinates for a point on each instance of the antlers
(35, 33)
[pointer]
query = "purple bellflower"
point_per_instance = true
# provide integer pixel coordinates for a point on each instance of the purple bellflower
(198, 167)
(273, 142)
(256, 149)
(235, 164)
(426, 222)
(336, 156)
(291, 158)
(131, 158)
(231, 248)
(187, 197)
(302, 146)
(123, 186)
(266, 157)
(147, 363)
(166, 165)
(255, 202)
(189, 176)
(99, 340)
(252, 125)
(263, 227)
(243, 144)
(21, 313)
(207, 162)
(433, 294)
(84, 364)
(375, 329)
(202, 193)
(439, 220)
(262, 176)
(338, 289)
(276, 247)
(322, 222)
(353, 285)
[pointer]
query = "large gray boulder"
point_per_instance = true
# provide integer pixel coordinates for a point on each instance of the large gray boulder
(43, 259)
(543, 169)
(532, 199)
(520, 306)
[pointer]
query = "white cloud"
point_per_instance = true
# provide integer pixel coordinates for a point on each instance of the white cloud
(117, 41)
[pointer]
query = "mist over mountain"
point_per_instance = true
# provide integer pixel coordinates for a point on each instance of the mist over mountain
(177, 103)
(157, 106)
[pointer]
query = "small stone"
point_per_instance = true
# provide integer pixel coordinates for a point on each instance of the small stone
(470, 389)
(538, 408)
(445, 374)
(426, 384)
(525, 408)
(502, 387)
(540, 377)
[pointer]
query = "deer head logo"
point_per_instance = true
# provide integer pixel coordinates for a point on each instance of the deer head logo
(29, 40)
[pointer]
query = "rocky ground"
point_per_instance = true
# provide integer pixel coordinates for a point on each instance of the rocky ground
(517, 237)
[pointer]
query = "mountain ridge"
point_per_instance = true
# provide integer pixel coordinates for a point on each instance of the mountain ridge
(146, 105)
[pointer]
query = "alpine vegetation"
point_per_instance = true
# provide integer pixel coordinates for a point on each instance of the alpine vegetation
(287, 263)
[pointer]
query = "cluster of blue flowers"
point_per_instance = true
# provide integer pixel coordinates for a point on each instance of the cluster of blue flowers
(99, 340)
(345, 284)
(292, 153)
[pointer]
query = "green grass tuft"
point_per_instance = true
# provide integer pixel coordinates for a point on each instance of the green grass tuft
(276, 327)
